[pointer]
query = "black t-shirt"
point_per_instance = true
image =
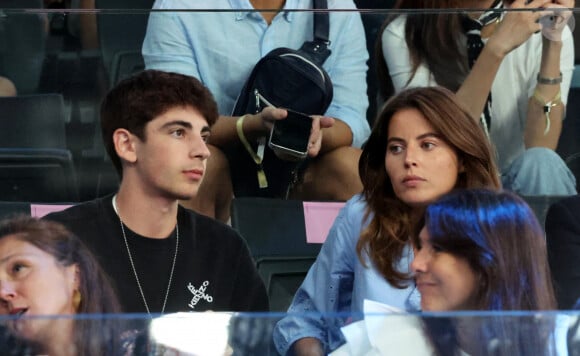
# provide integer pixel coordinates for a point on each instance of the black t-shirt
(213, 270)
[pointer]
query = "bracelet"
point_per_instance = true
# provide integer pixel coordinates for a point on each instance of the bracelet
(262, 181)
(547, 106)
(549, 81)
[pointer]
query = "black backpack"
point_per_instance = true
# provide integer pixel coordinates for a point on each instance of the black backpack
(287, 78)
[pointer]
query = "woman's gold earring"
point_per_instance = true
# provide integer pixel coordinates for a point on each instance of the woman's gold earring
(76, 299)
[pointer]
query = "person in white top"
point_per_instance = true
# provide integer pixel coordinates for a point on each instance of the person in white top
(510, 69)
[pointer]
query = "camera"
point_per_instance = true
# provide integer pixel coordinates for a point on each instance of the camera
(290, 136)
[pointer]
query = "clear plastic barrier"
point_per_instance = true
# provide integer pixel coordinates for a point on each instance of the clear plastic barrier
(77, 51)
(212, 333)
(58, 61)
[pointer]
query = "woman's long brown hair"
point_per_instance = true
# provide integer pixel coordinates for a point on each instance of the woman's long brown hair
(390, 224)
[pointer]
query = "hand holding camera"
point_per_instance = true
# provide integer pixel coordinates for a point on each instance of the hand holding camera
(516, 27)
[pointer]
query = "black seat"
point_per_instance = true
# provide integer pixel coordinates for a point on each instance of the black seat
(272, 227)
(42, 175)
(276, 235)
(97, 173)
(121, 36)
(35, 164)
(374, 4)
(569, 144)
(9, 208)
(22, 44)
(372, 23)
(573, 162)
(33, 121)
(282, 277)
(126, 63)
(563, 245)
(540, 205)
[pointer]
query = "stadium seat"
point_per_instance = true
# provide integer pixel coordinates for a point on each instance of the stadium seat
(276, 235)
(22, 44)
(121, 35)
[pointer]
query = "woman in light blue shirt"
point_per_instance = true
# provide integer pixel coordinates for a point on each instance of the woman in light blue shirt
(422, 146)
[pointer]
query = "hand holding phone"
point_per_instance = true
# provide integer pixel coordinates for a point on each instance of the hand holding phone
(554, 23)
(290, 136)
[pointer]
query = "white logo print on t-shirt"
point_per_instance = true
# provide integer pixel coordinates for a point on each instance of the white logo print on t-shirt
(199, 294)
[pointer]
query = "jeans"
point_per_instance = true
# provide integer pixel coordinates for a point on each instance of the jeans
(539, 171)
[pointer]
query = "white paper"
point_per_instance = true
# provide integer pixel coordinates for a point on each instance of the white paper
(384, 330)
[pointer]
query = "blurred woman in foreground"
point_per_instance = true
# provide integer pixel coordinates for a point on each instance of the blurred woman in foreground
(46, 271)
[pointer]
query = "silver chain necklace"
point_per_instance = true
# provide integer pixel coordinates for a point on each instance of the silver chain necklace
(133, 264)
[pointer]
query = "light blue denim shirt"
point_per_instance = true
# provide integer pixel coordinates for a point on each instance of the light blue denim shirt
(221, 48)
(338, 283)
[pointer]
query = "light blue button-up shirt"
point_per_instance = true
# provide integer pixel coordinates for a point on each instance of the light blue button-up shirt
(220, 48)
(338, 283)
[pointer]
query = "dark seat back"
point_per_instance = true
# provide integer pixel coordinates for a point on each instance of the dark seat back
(35, 164)
(372, 22)
(22, 44)
(272, 227)
(283, 277)
(573, 162)
(569, 142)
(563, 245)
(42, 175)
(33, 121)
(120, 33)
(276, 235)
(540, 205)
(9, 208)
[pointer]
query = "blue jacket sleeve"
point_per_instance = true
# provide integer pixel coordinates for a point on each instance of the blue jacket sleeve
(327, 288)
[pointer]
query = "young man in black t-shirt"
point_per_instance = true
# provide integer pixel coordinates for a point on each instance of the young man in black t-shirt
(161, 257)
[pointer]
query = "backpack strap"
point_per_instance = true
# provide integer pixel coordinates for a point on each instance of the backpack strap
(317, 49)
(321, 24)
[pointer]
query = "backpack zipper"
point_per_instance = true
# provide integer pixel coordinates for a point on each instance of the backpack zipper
(307, 61)
(260, 99)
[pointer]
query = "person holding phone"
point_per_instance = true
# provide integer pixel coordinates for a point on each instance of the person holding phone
(188, 42)
(423, 145)
(511, 69)
(289, 137)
